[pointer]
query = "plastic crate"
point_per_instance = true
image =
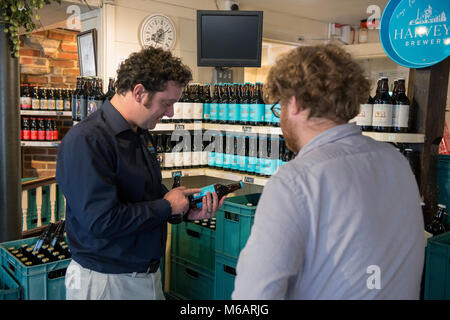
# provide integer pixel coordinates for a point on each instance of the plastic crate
(224, 277)
(46, 209)
(234, 223)
(443, 170)
(437, 268)
(194, 243)
(41, 282)
(9, 288)
(189, 282)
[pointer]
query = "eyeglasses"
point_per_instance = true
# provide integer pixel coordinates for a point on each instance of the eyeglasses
(276, 109)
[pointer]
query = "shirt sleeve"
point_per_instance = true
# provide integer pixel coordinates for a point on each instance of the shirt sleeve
(273, 256)
(86, 174)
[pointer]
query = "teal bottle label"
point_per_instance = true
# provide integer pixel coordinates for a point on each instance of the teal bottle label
(247, 159)
(251, 167)
(213, 109)
(206, 111)
(242, 165)
(212, 159)
(268, 115)
(227, 161)
(258, 166)
(234, 162)
(253, 113)
(223, 111)
(219, 159)
(203, 192)
(273, 166)
(265, 166)
(261, 108)
(245, 113)
(233, 112)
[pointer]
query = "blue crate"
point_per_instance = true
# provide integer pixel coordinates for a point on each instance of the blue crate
(194, 243)
(437, 268)
(224, 277)
(189, 282)
(234, 223)
(41, 282)
(9, 288)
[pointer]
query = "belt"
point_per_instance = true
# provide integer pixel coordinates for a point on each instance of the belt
(152, 268)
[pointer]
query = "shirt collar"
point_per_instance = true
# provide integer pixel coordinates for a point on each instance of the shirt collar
(116, 120)
(330, 135)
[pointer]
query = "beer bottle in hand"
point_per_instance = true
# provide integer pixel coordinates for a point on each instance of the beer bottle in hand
(176, 218)
(195, 201)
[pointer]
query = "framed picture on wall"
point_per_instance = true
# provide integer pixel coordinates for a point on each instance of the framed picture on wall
(87, 53)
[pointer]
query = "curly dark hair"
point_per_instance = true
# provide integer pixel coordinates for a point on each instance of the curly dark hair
(324, 79)
(151, 67)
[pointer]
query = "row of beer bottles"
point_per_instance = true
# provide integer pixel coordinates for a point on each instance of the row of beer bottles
(230, 104)
(232, 152)
(40, 98)
(38, 129)
(386, 113)
(89, 97)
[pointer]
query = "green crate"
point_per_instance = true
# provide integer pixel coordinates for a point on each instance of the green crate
(41, 282)
(443, 172)
(46, 210)
(234, 223)
(194, 243)
(9, 288)
(437, 268)
(224, 277)
(189, 282)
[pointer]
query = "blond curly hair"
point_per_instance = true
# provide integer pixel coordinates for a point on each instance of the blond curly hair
(324, 79)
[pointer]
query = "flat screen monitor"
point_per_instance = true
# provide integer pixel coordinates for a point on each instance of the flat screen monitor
(229, 38)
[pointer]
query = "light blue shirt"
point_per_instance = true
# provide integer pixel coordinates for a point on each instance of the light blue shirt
(340, 221)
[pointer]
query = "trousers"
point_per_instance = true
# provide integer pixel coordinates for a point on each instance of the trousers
(86, 284)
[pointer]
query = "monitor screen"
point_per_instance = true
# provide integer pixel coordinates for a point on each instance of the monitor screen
(229, 38)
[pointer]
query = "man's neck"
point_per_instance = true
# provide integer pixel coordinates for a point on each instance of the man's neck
(121, 104)
(311, 128)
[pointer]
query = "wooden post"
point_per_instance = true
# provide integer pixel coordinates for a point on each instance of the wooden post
(428, 93)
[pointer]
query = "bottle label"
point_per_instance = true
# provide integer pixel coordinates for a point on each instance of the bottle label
(187, 158)
(34, 135)
(177, 110)
(273, 166)
(251, 167)
(204, 158)
(78, 108)
(188, 111)
(25, 103)
(245, 115)
(203, 192)
(400, 116)
(60, 105)
(268, 115)
(206, 111)
(234, 162)
(364, 118)
(83, 108)
(223, 111)
(198, 111)
(242, 164)
(233, 112)
(35, 104)
(213, 108)
(257, 112)
(227, 161)
(160, 158)
(265, 163)
(44, 104)
(49, 135)
(26, 135)
(211, 159)
(219, 159)
(178, 159)
(67, 105)
(258, 166)
(41, 135)
(168, 160)
(382, 115)
(91, 107)
(51, 104)
(196, 158)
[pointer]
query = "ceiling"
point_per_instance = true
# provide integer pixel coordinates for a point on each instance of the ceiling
(339, 11)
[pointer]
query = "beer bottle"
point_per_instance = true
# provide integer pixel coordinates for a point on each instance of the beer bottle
(197, 150)
(168, 156)
(214, 106)
(229, 145)
(41, 129)
(44, 237)
(281, 152)
(75, 104)
(51, 99)
(43, 102)
(55, 130)
(234, 156)
(33, 129)
(111, 89)
(395, 91)
(252, 154)
(100, 95)
(58, 236)
(197, 103)
(382, 108)
(400, 112)
(204, 161)
(187, 104)
(187, 153)
(160, 150)
(176, 218)
(67, 99)
(268, 114)
(177, 152)
(25, 97)
(35, 100)
(364, 118)
(178, 107)
(437, 224)
(82, 100)
(48, 130)
(207, 103)
(195, 201)
(245, 105)
(242, 148)
(220, 150)
(59, 99)
(223, 104)
(26, 129)
(212, 153)
(234, 107)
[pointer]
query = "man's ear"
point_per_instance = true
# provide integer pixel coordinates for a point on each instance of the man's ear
(139, 93)
(294, 106)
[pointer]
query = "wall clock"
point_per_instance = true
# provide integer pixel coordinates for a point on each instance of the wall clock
(158, 31)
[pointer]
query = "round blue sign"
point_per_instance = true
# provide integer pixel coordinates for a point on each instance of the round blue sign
(416, 33)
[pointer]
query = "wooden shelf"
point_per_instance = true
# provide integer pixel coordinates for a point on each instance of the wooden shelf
(366, 50)
(396, 137)
(46, 144)
(46, 113)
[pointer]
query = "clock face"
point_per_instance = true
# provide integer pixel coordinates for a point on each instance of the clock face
(158, 31)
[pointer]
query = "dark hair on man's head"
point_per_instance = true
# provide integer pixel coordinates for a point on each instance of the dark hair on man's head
(151, 67)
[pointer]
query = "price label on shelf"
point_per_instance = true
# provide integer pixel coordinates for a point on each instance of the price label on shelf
(249, 180)
(179, 127)
(59, 113)
(246, 129)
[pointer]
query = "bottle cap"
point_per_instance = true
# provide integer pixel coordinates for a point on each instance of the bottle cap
(443, 206)
(249, 204)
